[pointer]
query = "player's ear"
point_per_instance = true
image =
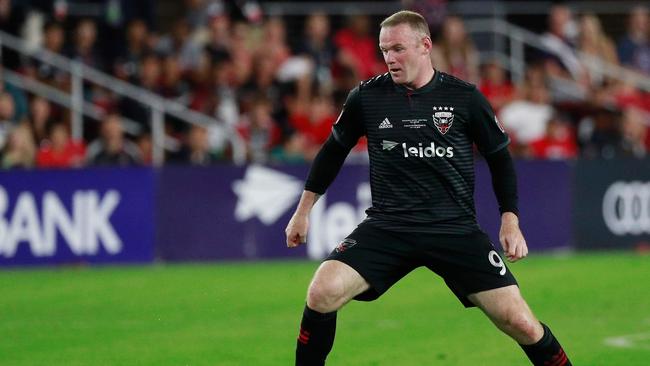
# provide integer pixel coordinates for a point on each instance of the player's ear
(427, 43)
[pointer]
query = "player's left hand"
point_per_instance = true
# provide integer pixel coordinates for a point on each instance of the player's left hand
(511, 238)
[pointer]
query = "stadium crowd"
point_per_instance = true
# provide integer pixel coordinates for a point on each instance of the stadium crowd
(282, 92)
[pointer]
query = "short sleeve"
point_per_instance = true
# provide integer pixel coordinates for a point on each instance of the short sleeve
(486, 130)
(348, 128)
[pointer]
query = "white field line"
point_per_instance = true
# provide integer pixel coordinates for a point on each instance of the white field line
(636, 341)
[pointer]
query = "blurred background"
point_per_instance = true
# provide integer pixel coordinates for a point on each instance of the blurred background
(171, 132)
(182, 130)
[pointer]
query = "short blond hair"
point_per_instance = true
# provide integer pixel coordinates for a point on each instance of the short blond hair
(413, 19)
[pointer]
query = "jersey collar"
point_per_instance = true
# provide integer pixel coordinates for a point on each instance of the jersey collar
(435, 80)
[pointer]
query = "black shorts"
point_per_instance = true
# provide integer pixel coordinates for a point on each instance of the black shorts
(468, 263)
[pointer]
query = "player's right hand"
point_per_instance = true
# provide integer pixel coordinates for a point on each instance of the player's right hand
(297, 230)
(511, 238)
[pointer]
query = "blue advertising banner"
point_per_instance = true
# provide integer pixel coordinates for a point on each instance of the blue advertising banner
(240, 213)
(182, 213)
(76, 216)
(225, 212)
(545, 203)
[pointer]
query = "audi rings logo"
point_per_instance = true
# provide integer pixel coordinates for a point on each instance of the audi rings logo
(626, 208)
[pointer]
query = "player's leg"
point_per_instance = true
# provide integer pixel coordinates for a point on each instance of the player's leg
(363, 266)
(334, 284)
(477, 275)
(509, 312)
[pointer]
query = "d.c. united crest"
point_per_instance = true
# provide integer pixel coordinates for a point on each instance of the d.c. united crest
(346, 244)
(443, 117)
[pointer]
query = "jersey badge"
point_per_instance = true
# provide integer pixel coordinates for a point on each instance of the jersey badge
(443, 118)
(345, 245)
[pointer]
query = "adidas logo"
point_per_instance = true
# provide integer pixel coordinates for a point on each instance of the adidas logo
(385, 124)
(388, 145)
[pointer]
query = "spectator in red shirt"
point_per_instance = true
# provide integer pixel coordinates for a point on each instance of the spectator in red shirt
(357, 49)
(313, 121)
(316, 120)
(495, 85)
(625, 95)
(59, 150)
(558, 143)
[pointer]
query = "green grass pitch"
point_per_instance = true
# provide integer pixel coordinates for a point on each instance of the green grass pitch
(248, 313)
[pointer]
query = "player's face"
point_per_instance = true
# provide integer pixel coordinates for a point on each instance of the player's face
(404, 51)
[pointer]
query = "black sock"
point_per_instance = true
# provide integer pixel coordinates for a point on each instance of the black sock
(547, 351)
(316, 337)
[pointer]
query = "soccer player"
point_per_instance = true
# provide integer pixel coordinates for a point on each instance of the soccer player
(421, 125)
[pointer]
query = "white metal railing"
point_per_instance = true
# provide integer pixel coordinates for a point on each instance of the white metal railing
(74, 100)
(61, 98)
(519, 38)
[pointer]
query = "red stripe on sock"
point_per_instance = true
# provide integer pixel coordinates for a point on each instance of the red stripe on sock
(304, 336)
(559, 359)
(561, 362)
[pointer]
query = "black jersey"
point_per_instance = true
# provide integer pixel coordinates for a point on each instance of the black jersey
(420, 144)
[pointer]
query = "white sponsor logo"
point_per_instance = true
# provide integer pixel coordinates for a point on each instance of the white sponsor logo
(385, 124)
(83, 230)
(430, 151)
(626, 208)
(265, 193)
(388, 145)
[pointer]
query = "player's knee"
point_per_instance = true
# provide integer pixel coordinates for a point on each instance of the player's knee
(325, 297)
(522, 326)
